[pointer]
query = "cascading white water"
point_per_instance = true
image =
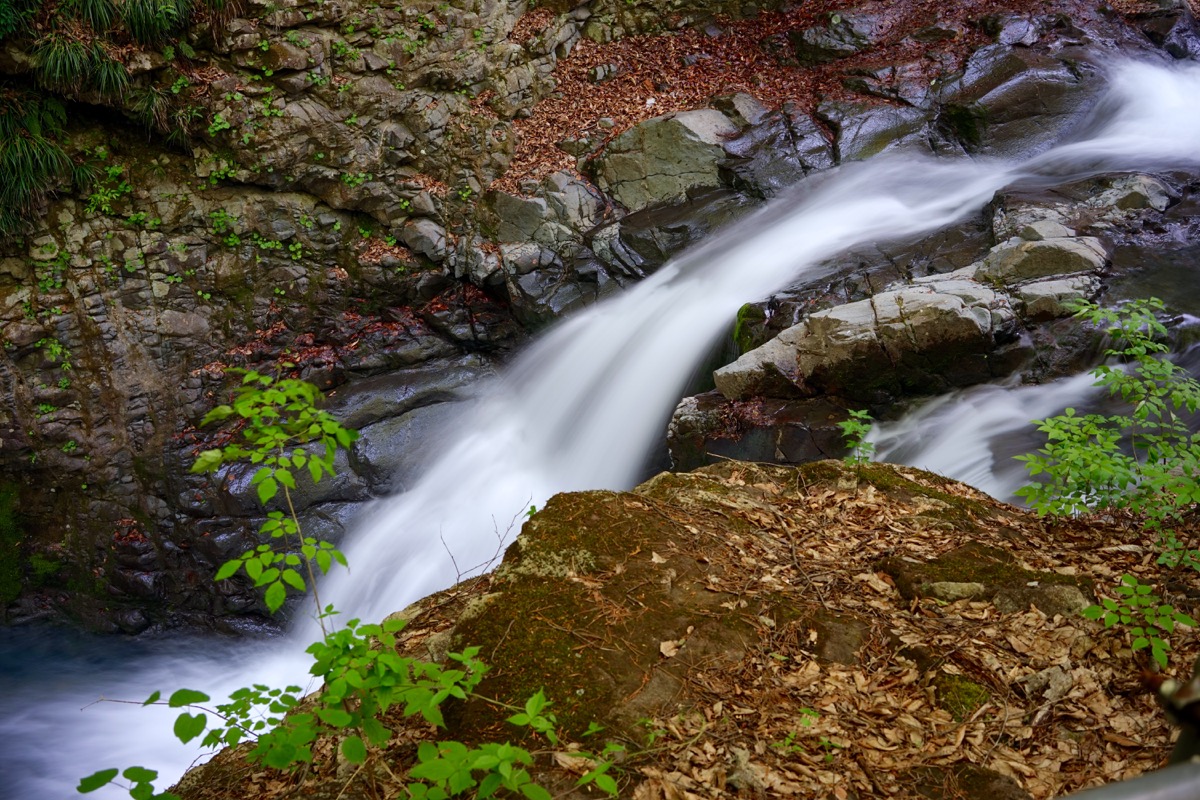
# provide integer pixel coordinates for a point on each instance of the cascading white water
(973, 434)
(583, 405)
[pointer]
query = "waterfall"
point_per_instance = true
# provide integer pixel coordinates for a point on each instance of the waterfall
(580, 409)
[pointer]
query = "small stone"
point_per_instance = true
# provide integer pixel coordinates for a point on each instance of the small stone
(950, 591)
(1045, 229)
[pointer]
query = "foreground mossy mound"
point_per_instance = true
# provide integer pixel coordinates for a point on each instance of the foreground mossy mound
(738, 630)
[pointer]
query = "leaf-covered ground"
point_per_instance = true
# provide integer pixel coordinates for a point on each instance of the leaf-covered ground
(753, 631)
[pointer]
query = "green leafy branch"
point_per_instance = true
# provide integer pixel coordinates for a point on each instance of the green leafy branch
(1145, 461)
(282, 431)
(1149, 619)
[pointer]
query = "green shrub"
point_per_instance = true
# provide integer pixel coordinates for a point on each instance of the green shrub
(1145, 462)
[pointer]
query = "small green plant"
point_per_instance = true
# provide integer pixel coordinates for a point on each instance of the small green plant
(55, 351)
(854, 432)
(70, 447)
(790, 746)
(356, 179)
(218, 124)
(342, 50)
(111, 188)
(220, 220)
(1148, 618)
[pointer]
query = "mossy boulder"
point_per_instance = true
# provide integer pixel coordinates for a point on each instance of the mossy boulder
(998, 576)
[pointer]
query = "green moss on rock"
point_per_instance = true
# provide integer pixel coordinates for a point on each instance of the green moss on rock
(960, 695)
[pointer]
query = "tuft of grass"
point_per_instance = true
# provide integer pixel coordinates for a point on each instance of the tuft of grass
(98, 14)
(152, 106)
(107, 74)
(31, 160)
(152, 21)
(60, 61)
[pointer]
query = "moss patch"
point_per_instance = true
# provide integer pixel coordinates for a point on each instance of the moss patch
(1009, 585)
(967, 124)
(959, 695)
(585, 601)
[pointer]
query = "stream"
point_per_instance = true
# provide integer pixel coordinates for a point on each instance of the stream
(579, 410)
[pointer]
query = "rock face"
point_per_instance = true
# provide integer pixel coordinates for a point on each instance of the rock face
(866, 617)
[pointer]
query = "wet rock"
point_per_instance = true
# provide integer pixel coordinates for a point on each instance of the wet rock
(664, 158)
(389, 454)
(778, 151)
(864, 130)
(708, 427)
(1015, 101)
(843, 35)
(1021, 260)
(365, 402)
(907, 83)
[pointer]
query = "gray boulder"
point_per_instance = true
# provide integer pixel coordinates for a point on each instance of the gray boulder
(1019, 260)
(841, 36)
(937, 333)
(662, 159)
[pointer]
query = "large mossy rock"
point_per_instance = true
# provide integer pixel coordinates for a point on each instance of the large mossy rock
(785, 632)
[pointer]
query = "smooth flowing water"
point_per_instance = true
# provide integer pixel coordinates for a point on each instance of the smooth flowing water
(580, 409)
